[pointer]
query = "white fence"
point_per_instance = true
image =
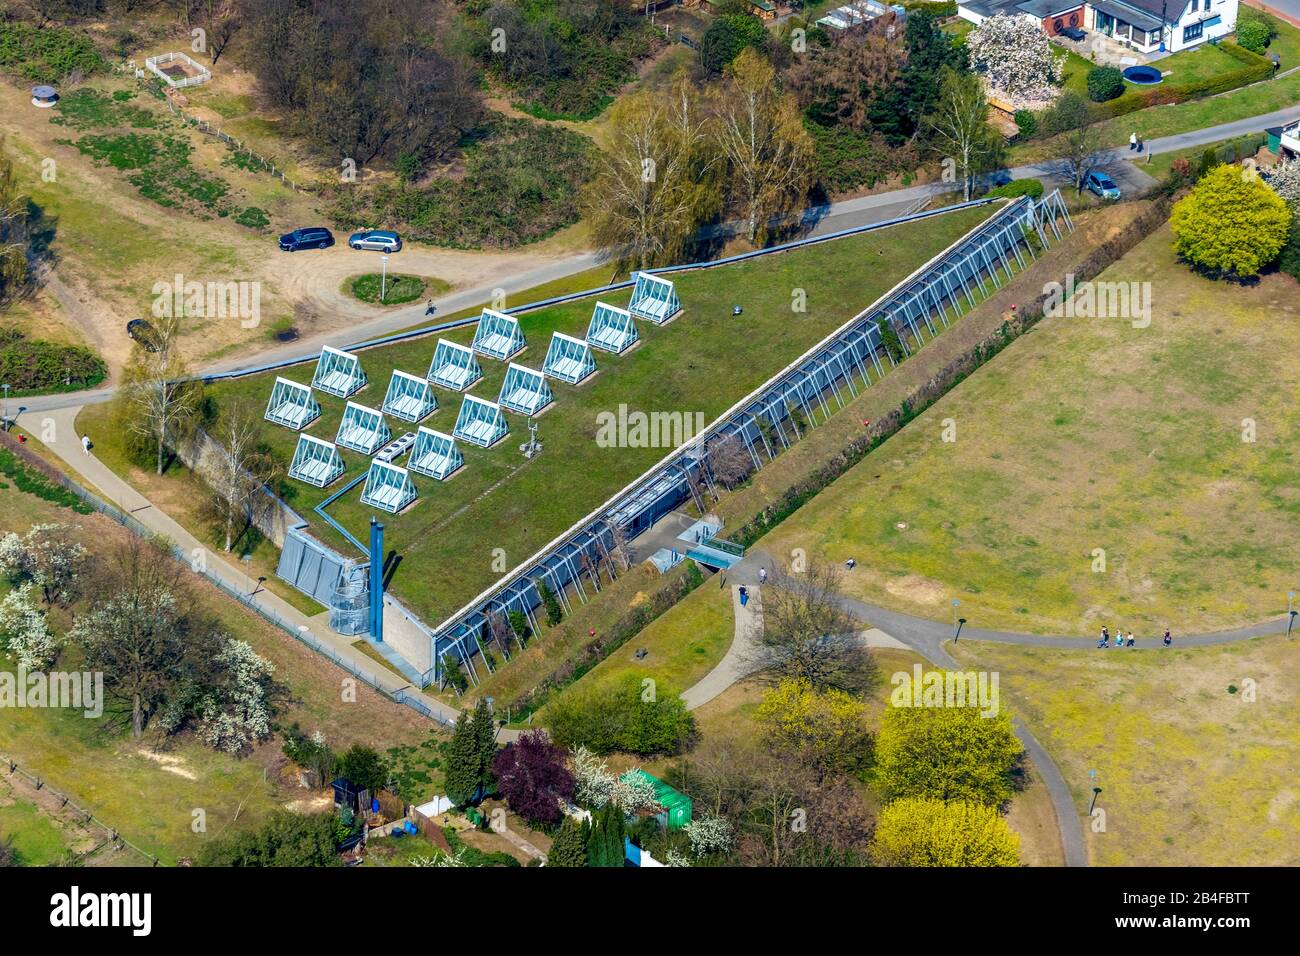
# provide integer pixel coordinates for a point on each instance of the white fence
(200, 73)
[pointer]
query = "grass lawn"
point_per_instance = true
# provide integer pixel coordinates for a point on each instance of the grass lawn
(1191, 773)
(36, 839)
(150, 788)
(1074, 73)
(400, 288)
(703, 361)
(684, 644)
(1192, 66)
(1092, 434)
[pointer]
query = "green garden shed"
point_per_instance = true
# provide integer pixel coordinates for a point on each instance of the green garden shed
(676, 805)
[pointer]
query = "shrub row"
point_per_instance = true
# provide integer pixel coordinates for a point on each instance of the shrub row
(28, 478)
(39, 366)
(46, 55)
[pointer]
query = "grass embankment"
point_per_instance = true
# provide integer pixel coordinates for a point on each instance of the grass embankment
(1195, 750)
(1092, 434)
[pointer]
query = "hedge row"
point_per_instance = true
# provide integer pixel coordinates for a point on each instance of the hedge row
(40, 366)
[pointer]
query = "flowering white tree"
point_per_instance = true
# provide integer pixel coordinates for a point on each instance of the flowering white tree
(709, 834)
(24, 630)
(674, 858)
(239, 713)
(49, 556)
(1013, 55)
(1284, 179)
(596, 786)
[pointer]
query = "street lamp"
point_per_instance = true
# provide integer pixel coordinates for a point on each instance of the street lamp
(4, 414)
(1290, 612)
(1091, 806)
(383, 282)
(957, 636)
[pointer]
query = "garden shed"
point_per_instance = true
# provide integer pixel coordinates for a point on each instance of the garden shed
(676, 805)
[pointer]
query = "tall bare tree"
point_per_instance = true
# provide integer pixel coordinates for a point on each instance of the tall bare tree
(807, 633)
(238, 470)
(769, 153)
(729, 460)
(162, 399)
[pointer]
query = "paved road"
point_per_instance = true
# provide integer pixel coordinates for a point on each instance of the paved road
(846, 214)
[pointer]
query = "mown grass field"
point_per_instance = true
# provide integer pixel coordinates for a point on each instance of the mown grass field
(703, 362)
(1192, 774)
(1092, 434)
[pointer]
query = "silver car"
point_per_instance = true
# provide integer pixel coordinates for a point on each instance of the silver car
(379, 240)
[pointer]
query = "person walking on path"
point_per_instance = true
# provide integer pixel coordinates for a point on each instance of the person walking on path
(762, 575)
(1168, 639)
(1133, 140)
(85, 444)
(744, 595)
(1132, 642)
(430, 308)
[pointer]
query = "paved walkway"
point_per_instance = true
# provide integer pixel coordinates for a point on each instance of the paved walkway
(932, 640)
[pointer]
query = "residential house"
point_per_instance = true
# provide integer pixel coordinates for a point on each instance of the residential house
(1145, 26)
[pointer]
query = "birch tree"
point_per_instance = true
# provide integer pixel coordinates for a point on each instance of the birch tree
(656, 182)
(160, 397)
(769, 153)
(238, 471)
(961, 128)
(13, 229)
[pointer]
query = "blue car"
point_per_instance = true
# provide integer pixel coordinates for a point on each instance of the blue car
(313, 237)
(1102, 185)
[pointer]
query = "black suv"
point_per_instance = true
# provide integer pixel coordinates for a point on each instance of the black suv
(144, 333)
(313, 237)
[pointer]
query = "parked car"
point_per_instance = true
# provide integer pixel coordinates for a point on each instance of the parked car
(312, 237)
(1101, 184)
(144, 333)
(1074, 33)
(382, 240)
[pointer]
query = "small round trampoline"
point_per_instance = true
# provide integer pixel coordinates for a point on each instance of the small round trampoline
(44, 96)
(1145, 75)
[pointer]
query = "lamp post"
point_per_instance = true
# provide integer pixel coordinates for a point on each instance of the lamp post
(4, 413)
(1092, 806)
(383, 282)
(957, 636)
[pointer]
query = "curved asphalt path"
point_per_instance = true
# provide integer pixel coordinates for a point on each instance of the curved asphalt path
(930, 639)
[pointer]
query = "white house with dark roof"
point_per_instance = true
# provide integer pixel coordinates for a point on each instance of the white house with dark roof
(1142, 25)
